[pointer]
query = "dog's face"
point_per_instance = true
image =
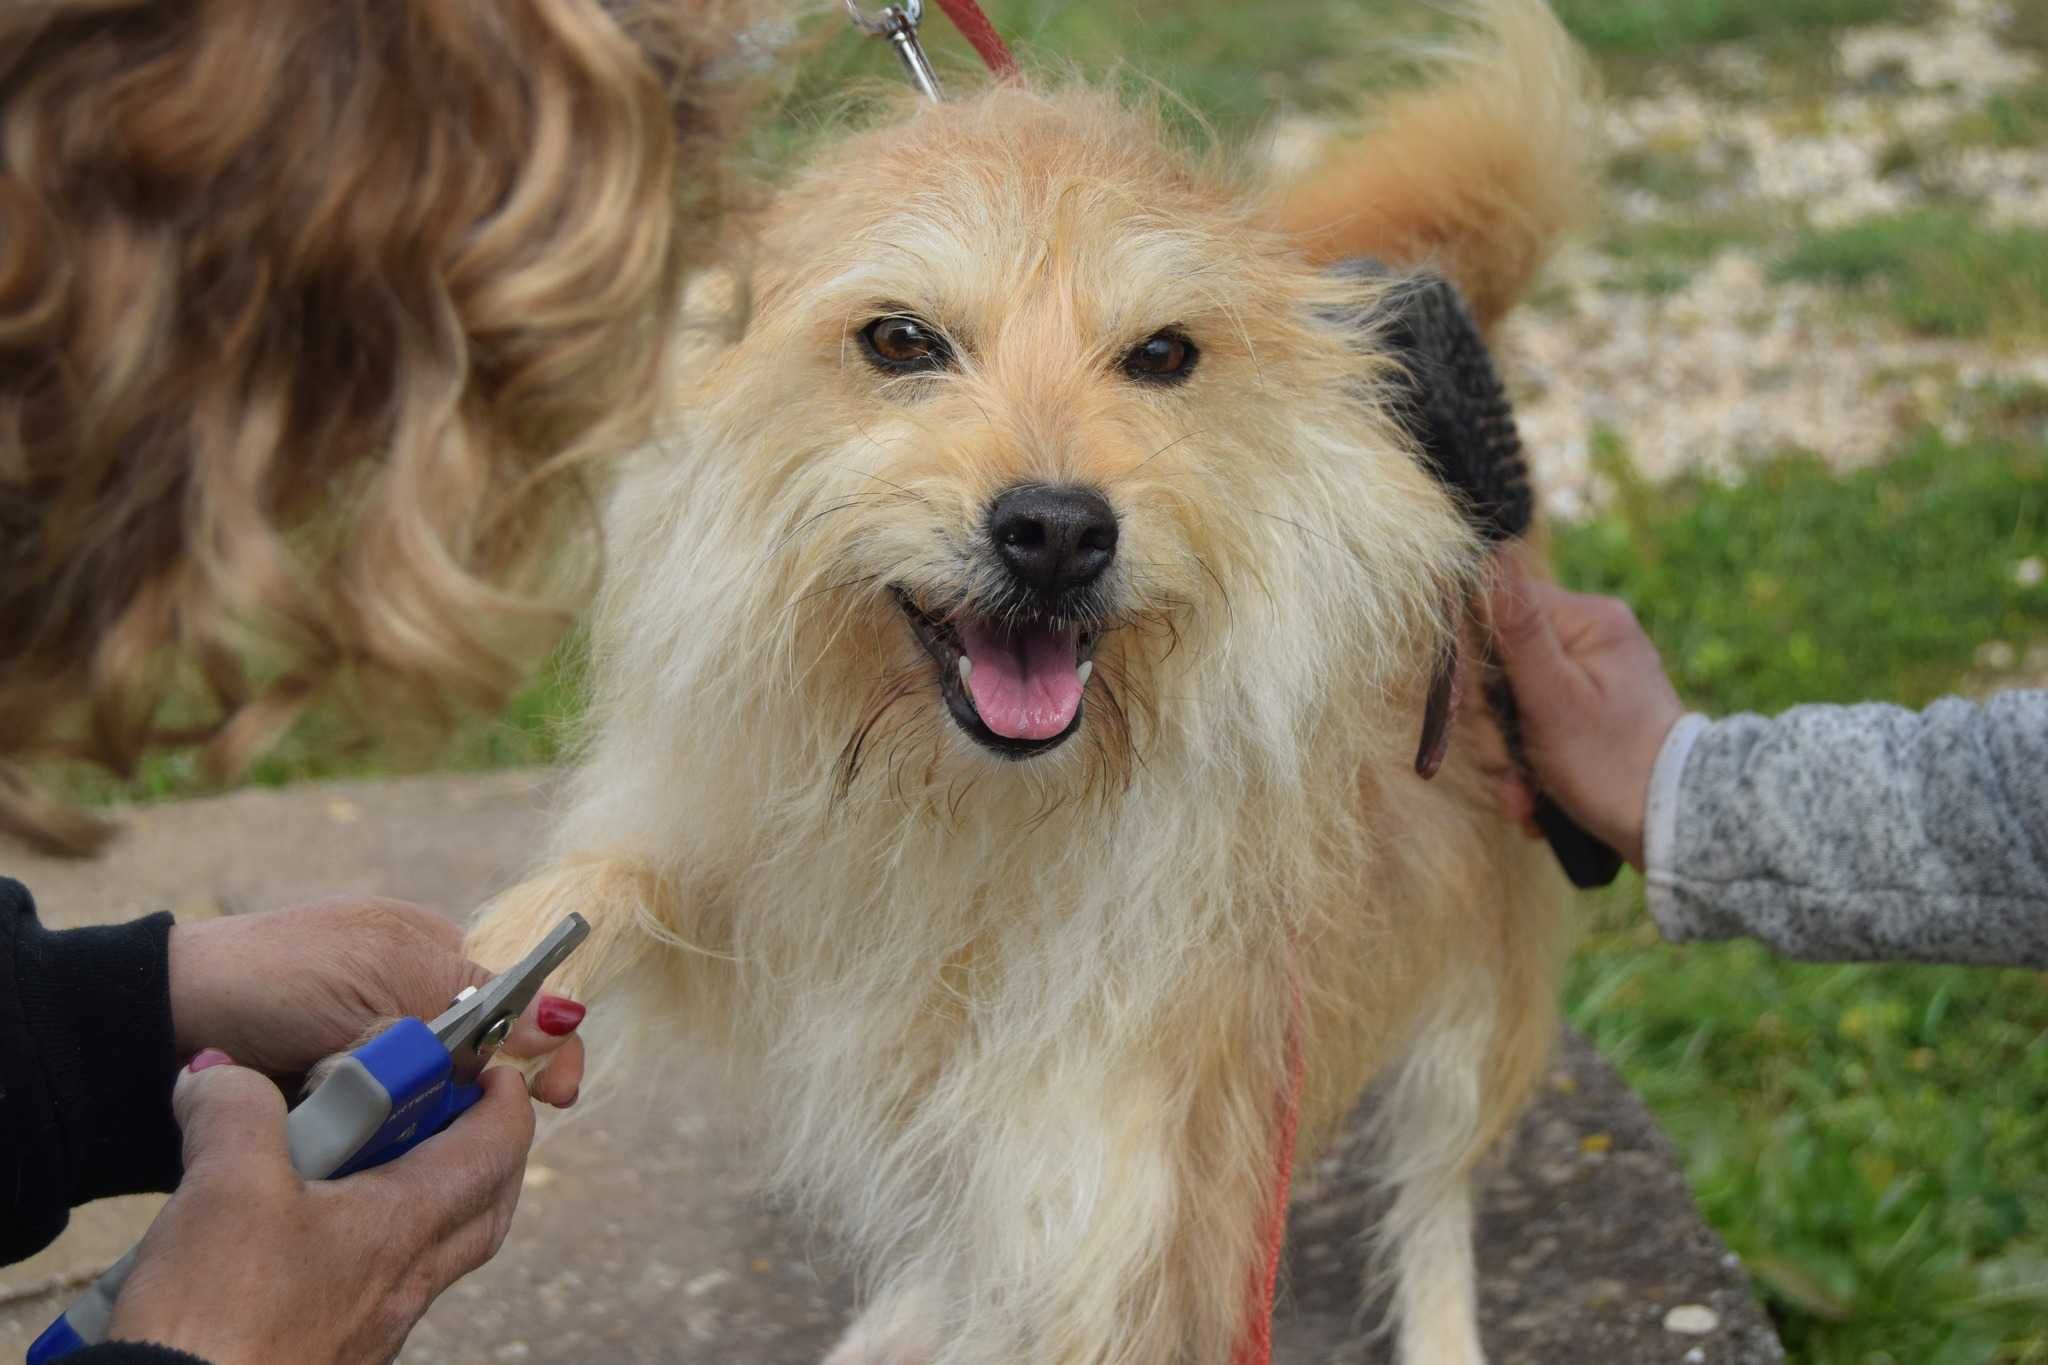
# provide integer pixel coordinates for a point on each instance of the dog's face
(1051, 455)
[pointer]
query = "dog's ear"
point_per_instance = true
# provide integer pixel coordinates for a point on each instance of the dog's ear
(1446, 687)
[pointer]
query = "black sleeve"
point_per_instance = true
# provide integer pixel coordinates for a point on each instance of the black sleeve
(87, 1062)
(132, 1353)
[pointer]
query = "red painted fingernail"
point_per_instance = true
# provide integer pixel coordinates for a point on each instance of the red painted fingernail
(207, 1057)
(558, 1015)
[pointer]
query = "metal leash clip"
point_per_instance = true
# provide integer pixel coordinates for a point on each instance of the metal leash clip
(899, 26)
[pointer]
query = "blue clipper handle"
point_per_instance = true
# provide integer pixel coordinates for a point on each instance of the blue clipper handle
(378, 1103)
(56, 1342)
(409, 1065)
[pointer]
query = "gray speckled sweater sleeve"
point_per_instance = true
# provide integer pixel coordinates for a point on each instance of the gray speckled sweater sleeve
(1852, 833)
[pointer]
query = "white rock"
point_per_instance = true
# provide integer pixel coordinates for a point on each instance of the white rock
(1997, 656)
(1963, 52)
(2029, 572)
(1692, 1320)
(707, 1282)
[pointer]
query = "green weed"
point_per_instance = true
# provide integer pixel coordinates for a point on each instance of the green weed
(1800, 585)
(1661, 256)
(1221, 68)
(2027, 26)
(1675, 175)
(1667, 28)
(536, 728)
(1937, 270)
(2009, 118)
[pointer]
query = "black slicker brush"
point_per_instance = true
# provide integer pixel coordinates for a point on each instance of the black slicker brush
(1452, 402)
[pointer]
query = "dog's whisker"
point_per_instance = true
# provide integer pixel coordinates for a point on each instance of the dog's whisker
(847, 505)
(871, 439)
(834, 587)
(850, 756)
(1342, 549)
(1046, 810)
(1163, 449)
(1231, 311)
(1222, 590)
(868, 474)
(986, 420)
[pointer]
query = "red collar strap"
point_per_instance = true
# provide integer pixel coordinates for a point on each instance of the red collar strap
(978, 31)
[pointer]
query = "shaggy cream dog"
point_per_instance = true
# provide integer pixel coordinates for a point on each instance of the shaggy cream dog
(1008, 690)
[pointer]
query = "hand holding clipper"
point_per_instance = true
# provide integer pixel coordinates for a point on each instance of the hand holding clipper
(378, 1102)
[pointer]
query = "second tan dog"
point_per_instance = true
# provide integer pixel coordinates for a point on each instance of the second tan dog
(1008, 687)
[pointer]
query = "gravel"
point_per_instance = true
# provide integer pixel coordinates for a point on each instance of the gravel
(1731, 366)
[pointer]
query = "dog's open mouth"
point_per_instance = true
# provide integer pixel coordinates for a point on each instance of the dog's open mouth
(1013, 685)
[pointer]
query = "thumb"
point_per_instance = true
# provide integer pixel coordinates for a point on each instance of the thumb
(229, 1114)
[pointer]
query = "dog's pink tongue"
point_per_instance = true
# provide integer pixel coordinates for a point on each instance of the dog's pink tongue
(1023, 681)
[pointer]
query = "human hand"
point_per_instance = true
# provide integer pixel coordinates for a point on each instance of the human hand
(1595, 704)
(249, 1265)
(280, 991)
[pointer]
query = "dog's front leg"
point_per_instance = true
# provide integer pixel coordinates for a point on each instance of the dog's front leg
(1449, 1096)
(627, 902)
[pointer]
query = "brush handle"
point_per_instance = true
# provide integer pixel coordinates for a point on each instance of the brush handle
(1585, 859)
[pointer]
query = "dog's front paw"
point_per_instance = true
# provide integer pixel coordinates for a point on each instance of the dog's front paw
(1449, 1338)
(900, 1328)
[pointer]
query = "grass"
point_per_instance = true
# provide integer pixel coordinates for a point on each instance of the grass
(1869, 1138)
(1662, 255)
(326, 743)
(2016, 118)
(1937, 270)
(1799, 584)
(1641, 44)
(1673, 174)
(1220, 67)
(2026, 26)
(1677, 28)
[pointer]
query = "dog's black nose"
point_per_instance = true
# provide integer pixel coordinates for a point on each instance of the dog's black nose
(1055, 539)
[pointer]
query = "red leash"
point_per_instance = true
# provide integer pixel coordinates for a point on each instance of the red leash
(1255, 1347)
(977, 30)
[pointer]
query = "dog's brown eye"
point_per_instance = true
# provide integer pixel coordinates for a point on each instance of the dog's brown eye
(1162, 358)
(901, 344)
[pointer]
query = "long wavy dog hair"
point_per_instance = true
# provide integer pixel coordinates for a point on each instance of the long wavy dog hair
(308, 312)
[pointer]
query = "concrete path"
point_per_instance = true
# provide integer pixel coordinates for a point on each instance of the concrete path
(638, 1240)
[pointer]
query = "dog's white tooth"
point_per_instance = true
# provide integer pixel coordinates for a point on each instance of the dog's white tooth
(1087, 667)
(966, 669)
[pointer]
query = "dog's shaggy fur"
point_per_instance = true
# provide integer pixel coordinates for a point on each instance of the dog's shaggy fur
(1019, 1027)
(307, 312)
